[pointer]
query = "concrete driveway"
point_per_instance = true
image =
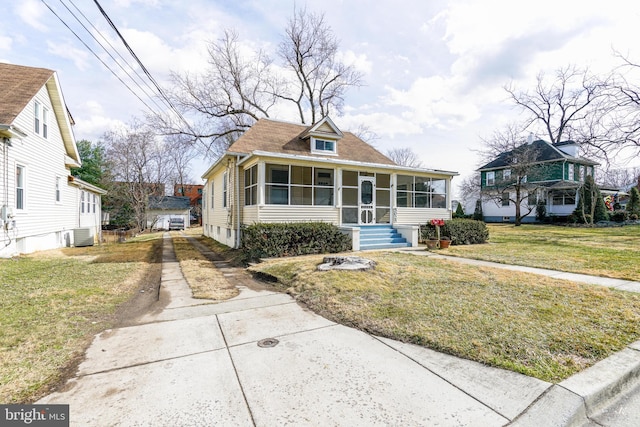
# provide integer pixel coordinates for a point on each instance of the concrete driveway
(261, 359)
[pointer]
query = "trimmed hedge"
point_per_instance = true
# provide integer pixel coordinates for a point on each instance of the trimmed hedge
(460, 231)
(270, 240)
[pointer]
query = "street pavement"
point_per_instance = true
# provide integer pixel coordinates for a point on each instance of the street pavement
(262, 359)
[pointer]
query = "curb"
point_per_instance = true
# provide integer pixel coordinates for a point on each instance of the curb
(573, 401)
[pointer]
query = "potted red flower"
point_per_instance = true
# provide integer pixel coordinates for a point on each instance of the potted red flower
(442, 242)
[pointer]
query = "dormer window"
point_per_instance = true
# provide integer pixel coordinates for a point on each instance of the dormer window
(323, 146)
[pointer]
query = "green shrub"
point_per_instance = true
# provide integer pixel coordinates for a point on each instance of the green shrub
(619, 216)
(465, 231)
(633, 205)
(269, 240)
(541, 211)
(459, 213)
(477, 213)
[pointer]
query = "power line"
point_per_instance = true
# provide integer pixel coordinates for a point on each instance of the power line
(144, 69)
(96, 55)
(112, 48)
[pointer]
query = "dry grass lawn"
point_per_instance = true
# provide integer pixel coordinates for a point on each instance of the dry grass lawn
(54, 302)
(538, 326)
(607, 252)
(205, 280)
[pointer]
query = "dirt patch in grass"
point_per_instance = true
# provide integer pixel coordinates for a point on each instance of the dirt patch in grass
(54, 302)
(204, 278)
(538, 326)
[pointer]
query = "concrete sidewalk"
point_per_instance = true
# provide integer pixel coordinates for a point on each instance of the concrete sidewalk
(262, 359)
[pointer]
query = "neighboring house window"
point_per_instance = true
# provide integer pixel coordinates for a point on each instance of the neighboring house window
(94, 203)
(20, 187)
(199, 190)
(570, 172)
(505, 199)
(299, 185)
(581, 173)
(491, 179)
(45, 122)
(224, 190)
(212, 194)
(251, 186)
(421, 192)
(323, 146)
(41, 122)
(37, 108)
(58, 189)
(563, 198)
(81, 201)
(532, 200)
(506, 174)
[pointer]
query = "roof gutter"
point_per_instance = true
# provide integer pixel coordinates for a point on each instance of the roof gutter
(348, 163)
(12, 131)
(220, 159)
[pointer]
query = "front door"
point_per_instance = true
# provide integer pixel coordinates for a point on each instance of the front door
(367, 200)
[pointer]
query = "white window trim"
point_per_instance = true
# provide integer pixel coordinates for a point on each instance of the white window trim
(491, 183)
(58, 190)
(314, 150)
(24, 187)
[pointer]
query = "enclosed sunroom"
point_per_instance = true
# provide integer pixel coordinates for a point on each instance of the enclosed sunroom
(282, 172)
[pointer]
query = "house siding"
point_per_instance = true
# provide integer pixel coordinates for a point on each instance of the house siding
(417, 216)
(44, 223)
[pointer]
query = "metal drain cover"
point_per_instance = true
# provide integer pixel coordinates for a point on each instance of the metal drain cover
(268, 342)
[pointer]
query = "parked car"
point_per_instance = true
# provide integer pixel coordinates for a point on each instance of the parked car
(176, 224)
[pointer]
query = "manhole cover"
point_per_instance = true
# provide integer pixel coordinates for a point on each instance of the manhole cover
(268, 342)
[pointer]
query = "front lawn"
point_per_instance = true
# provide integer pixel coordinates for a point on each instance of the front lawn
(608, 252)
(539, 326)
(54, 302)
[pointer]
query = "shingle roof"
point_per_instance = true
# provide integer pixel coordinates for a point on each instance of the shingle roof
(169, 203)
(18, 85)
(544, 152)
(285, 138)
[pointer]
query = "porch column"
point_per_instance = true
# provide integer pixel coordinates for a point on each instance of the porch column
(261, 183)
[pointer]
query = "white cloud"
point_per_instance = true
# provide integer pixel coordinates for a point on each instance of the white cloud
(32, 13)
(5, 43)
(67, 50)
(359, 61)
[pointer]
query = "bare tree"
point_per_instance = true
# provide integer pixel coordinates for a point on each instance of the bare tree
(310, 50)
(181, 151)
(241, 86)
(517, 163)
(627, 99)
(571, 105)
(235, 91)
(140, 168)
(404, 157)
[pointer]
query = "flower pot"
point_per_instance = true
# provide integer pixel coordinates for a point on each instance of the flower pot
(432, 244)
(444, 244)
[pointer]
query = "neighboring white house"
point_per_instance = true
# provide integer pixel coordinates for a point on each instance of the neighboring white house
(41, 205)
(161, 209)
(284, 172)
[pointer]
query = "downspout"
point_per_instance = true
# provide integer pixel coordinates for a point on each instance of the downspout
(238, 202)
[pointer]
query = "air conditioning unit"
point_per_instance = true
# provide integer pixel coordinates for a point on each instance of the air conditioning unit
(83, 237)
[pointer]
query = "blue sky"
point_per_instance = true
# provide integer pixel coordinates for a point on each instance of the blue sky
(434, 71)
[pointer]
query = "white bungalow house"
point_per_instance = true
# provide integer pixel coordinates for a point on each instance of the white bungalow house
(284, 172)
(41, 205)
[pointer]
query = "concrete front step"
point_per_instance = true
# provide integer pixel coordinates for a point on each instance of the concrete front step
(381, 237)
